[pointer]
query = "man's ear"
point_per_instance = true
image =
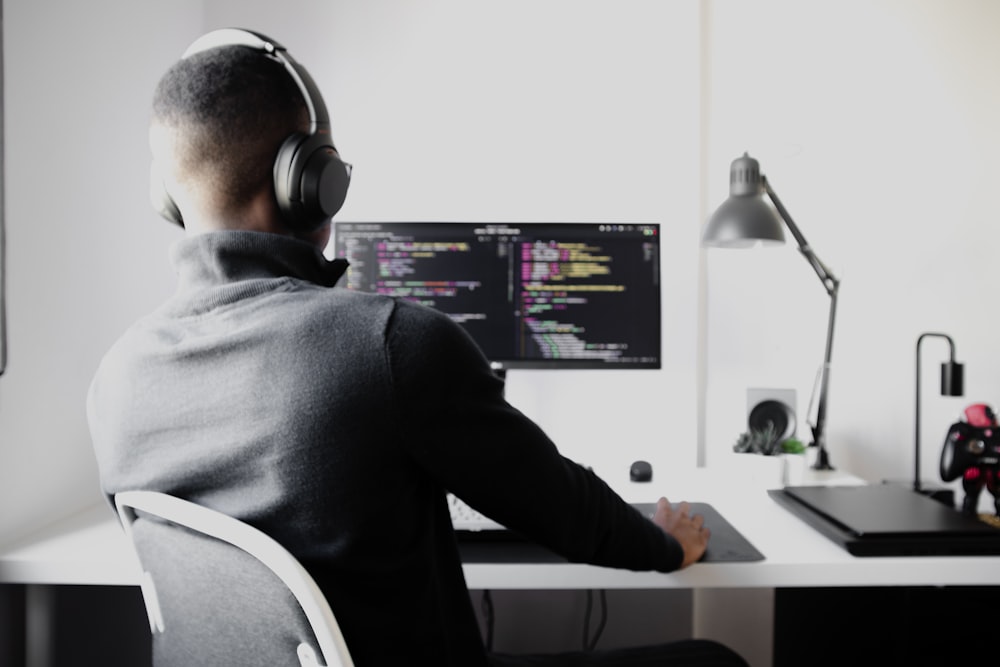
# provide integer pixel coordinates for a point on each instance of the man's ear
(161, 147)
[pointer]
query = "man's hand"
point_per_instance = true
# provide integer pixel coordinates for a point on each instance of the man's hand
(689, 530)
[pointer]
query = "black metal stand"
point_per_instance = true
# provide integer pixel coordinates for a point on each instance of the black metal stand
(952, 382)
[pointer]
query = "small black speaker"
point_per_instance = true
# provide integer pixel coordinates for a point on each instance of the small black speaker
(774, 408)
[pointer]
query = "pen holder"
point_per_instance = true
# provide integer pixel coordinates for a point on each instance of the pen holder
(765, 456)
(767, 471)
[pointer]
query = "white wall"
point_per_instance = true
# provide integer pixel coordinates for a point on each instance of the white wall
(85, 254)
(876, 124)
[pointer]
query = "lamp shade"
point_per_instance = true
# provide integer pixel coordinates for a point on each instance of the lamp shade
(745, 219)
(952, 379)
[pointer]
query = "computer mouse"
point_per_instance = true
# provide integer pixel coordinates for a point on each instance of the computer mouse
(640, 471)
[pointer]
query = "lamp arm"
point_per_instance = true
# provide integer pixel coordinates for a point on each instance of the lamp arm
(819, 430)
(826, 276)
(832, 286)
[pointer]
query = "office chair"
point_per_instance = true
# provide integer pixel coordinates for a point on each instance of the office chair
(220, 592)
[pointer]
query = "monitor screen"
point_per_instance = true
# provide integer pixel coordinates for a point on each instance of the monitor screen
(532, 295)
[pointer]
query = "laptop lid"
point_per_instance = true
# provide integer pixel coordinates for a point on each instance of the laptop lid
(887, 519)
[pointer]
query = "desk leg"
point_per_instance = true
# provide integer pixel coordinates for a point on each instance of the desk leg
(740, 618)
(26, 613)
(39, 612)
(12, 630)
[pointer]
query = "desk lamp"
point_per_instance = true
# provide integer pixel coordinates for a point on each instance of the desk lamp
(952, 380)
(744, 220)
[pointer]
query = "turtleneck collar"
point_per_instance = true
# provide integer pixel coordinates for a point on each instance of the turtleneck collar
(228, 265)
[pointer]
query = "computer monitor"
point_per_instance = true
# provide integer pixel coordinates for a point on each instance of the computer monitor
(532, 295)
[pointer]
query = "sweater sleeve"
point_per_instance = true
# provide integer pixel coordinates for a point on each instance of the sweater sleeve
(465, 435)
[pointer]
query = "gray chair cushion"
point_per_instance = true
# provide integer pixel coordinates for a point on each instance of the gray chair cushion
(220, 605)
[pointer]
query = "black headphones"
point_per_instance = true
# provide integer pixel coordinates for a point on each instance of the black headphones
(310, 180)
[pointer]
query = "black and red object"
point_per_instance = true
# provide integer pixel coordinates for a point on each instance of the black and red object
(972, 451)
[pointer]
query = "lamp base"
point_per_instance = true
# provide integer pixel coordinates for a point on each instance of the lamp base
(822, 461)
(942, 495)
(934, 491)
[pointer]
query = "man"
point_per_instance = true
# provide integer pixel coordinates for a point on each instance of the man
(333, 421)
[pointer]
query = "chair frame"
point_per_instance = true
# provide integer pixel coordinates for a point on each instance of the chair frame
(255, 543)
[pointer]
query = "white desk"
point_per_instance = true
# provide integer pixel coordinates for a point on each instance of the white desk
(90, 548)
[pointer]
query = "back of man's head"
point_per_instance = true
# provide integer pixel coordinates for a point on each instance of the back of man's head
(226, 112)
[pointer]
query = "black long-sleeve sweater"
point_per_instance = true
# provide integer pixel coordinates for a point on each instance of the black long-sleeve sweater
(335, 422)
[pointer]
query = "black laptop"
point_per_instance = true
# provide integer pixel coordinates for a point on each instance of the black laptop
(889, 520)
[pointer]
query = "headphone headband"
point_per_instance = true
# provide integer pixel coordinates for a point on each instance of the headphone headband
(318, 116)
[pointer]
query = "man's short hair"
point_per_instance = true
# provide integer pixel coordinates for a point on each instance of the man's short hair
(231, 108)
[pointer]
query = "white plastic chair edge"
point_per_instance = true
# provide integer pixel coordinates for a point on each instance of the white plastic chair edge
(257, 544)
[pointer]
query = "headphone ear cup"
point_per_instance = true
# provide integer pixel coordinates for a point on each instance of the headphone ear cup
(161, 200)
(310, 181)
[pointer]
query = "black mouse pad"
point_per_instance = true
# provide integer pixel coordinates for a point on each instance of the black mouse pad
(727, 545)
